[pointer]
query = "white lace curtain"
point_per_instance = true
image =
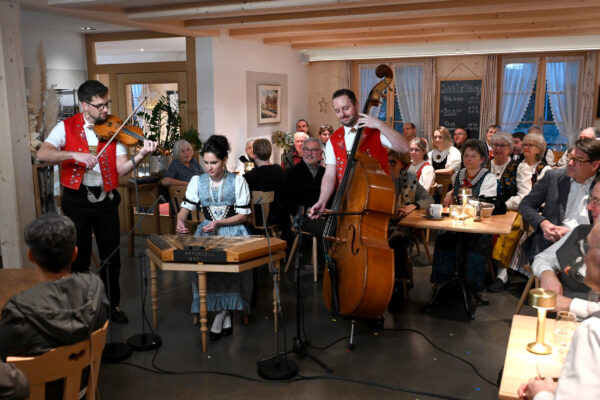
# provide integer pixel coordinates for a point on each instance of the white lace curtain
(562, 78)
(409, 93)
(518, 79)
(368, 79)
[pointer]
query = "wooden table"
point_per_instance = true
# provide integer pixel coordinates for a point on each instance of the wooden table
(14, 281)
(147, 193)
(202, 269)
(520, 364)
(495, 224)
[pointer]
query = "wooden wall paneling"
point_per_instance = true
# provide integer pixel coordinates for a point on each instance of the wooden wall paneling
(17, 206)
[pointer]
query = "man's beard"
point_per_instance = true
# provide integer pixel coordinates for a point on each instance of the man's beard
(351, 123)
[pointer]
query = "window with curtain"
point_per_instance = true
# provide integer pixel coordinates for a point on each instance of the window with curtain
(403, 100)
(542, 91)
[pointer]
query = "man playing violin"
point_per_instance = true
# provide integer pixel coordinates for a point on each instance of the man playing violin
(376, 134)
(89, 183)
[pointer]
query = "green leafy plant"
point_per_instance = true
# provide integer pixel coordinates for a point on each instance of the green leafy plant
(283, 140)
(193, 136)
(163, 124)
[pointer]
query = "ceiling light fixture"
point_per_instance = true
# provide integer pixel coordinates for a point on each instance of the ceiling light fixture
(87, 28)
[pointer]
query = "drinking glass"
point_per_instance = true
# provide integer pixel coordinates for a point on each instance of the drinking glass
(564, 328)
(455, 211)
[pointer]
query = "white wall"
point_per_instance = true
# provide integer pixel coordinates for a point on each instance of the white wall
(231, 60)
(65, 51)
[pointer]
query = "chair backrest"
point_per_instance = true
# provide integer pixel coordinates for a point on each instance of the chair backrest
(260, 201)
(67, 363)
(444, 181)
(176, 196)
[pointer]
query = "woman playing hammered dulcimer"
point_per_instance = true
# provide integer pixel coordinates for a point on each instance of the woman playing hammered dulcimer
(223, 198)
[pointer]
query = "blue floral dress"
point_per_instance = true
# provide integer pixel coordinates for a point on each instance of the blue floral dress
(220, 200)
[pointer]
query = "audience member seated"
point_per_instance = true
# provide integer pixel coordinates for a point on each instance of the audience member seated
(266, 177)
(444, 157)
(489, 134)
(460, 135)
(247, 157)
(588, 133)
(325, 132)
(476, 246)
(13, 383)
(409, 130)
(64, 309)
(302, 126)
(549, 154)
(566, 278)
(411, 196)
(294, 156)
(512, 187)
(564, 194)
(302, 185)
(517, 153)
(420, 165)
(580, 375)
(183, 166)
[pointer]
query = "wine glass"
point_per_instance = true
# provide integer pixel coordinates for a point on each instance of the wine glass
(564, 328)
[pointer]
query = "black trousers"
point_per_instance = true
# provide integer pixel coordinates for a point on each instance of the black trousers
(103, 220)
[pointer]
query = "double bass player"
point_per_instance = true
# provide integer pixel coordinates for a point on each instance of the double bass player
(376, 136)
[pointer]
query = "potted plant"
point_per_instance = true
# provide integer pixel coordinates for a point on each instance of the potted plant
(193, 137)
(163, 125)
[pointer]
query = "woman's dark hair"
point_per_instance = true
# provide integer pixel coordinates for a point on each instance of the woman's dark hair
(218, 145)
(51, 239)
(89, 89)
(477, 145)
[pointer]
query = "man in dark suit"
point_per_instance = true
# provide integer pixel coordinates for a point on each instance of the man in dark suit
(564, 193)
(302, 184)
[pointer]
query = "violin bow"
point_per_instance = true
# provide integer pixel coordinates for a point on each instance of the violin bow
(122, 125)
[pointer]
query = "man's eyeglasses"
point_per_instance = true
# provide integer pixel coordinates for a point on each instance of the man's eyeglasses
(576, 160)
(594, 200)
(314, 151)
(101, 106)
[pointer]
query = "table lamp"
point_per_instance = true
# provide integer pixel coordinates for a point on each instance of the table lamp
(542, 299)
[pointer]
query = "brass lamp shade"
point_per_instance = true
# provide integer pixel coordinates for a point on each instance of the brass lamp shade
(541, 299)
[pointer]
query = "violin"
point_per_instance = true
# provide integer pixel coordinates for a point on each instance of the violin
(128, 135)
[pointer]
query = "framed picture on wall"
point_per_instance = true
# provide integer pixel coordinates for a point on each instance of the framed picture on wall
(269, 104)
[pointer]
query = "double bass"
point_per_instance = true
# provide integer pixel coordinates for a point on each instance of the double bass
(359, 273)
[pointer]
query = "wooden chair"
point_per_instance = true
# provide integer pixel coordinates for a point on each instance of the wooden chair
(528, 285)
(262, 201)
(315, 257)
(66, 363)
(176, 196)
(444, 182)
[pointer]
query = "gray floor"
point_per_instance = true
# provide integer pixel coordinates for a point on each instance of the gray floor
(412, 357)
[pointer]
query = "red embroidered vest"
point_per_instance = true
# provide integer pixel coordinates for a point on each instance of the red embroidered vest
(370, 145)
(71, 172)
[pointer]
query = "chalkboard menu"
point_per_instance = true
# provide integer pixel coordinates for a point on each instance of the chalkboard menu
(460, 102)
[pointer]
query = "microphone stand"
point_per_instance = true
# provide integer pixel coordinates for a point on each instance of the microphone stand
(143, 341)
(277, 367)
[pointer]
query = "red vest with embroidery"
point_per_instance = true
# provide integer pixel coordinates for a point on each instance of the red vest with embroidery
(370, 145)
(71, 172)
(420, 171)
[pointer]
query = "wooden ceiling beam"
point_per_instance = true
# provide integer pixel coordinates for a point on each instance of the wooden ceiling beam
(458, 8)
(404, 33)
(447, 38)
(362, 25)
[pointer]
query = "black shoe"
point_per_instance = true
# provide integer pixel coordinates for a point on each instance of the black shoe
(118, 316)
(482, 300)
(227, 331)
(497, 286)
(213, 336)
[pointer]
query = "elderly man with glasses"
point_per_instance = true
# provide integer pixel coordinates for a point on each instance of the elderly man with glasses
(564, 193)
(560, 267)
